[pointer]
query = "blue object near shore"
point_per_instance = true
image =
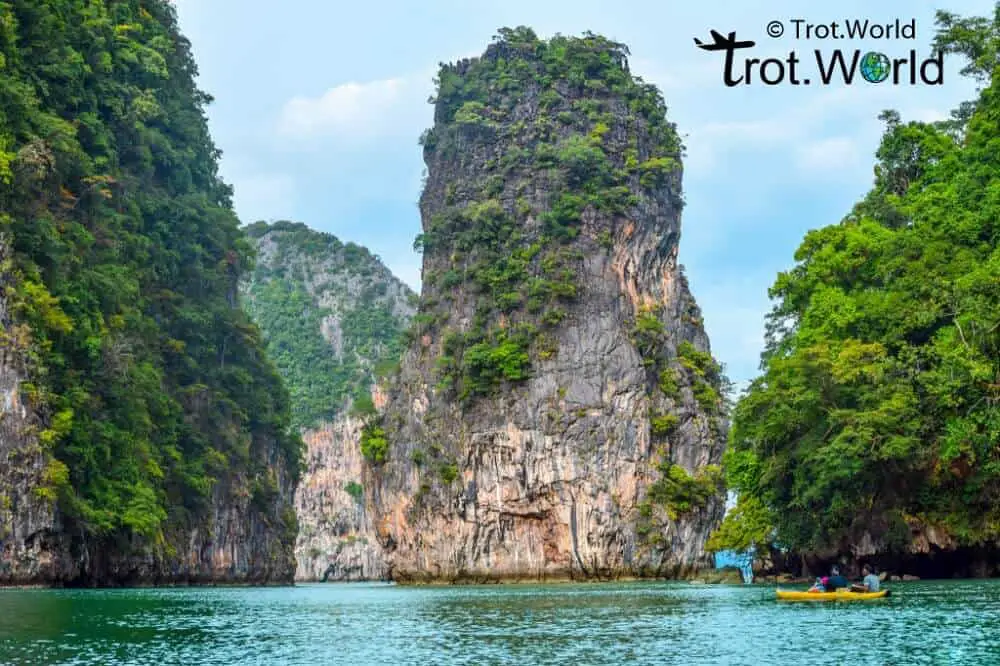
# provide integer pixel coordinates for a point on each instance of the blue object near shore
(742, 561)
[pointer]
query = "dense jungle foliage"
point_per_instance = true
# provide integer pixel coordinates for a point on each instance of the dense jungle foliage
(879, 405)
(125, 257)
(312, 279)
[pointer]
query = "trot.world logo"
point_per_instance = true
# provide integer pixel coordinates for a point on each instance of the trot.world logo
(831, 66)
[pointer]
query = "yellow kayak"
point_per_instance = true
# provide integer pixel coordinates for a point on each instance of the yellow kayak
(839, 595)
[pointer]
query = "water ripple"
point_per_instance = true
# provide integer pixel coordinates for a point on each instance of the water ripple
(635, 623)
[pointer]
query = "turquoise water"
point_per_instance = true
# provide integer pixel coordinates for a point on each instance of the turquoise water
(637, 623)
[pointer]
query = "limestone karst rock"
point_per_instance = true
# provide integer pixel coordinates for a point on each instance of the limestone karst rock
(332, 316)
(557, 413)
(144, 436)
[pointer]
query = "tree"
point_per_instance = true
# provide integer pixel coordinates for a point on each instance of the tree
(877, 407)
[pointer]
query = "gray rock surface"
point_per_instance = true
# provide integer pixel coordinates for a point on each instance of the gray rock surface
(33, 546)
(552, 473)
(234, 543)
(336, 540)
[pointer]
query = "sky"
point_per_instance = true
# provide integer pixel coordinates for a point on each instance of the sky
(319, 105)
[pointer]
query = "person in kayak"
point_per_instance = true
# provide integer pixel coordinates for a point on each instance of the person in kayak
(836, 581)
(871, 582)
(819, 585)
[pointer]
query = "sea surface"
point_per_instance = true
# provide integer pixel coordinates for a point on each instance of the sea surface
(630, 623)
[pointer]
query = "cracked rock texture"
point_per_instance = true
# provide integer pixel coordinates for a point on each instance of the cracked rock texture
(348, 314)
(337, 539)
(234, 542)
(33, 547)
(547, 478)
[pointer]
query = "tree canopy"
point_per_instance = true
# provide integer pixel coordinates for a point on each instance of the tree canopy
(125, 257)
(877, 410)
(311, 283)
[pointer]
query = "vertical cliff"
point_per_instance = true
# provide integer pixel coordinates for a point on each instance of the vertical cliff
(29, 530)
(332, 316)
(144, 435)
(337, 539)
(557, 413)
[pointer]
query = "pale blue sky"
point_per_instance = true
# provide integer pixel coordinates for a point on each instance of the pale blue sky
(319, 106)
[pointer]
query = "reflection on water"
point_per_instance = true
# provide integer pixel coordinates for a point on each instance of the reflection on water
(639, 623)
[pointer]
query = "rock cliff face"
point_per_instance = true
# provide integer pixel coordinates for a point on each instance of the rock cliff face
(557, 413)
(337, 539)
(333, 317)
(144, 436)
(32, 544)
(236, 542)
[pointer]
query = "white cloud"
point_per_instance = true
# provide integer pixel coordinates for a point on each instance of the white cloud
(749, 132)
(263, 196)
(831, 156)
(802, 131)
(783, 122)
(683, 76)
(349, 110)
(710, 145)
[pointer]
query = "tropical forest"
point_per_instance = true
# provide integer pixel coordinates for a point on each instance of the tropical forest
(321, 345)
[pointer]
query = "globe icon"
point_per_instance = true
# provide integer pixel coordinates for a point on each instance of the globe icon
(875, 67)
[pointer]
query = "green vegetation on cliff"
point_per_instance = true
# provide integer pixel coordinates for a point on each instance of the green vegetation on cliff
(332, 315)
(551, 215)
(124, 263)
(581, 136)
(679, 493)
(879, 407)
